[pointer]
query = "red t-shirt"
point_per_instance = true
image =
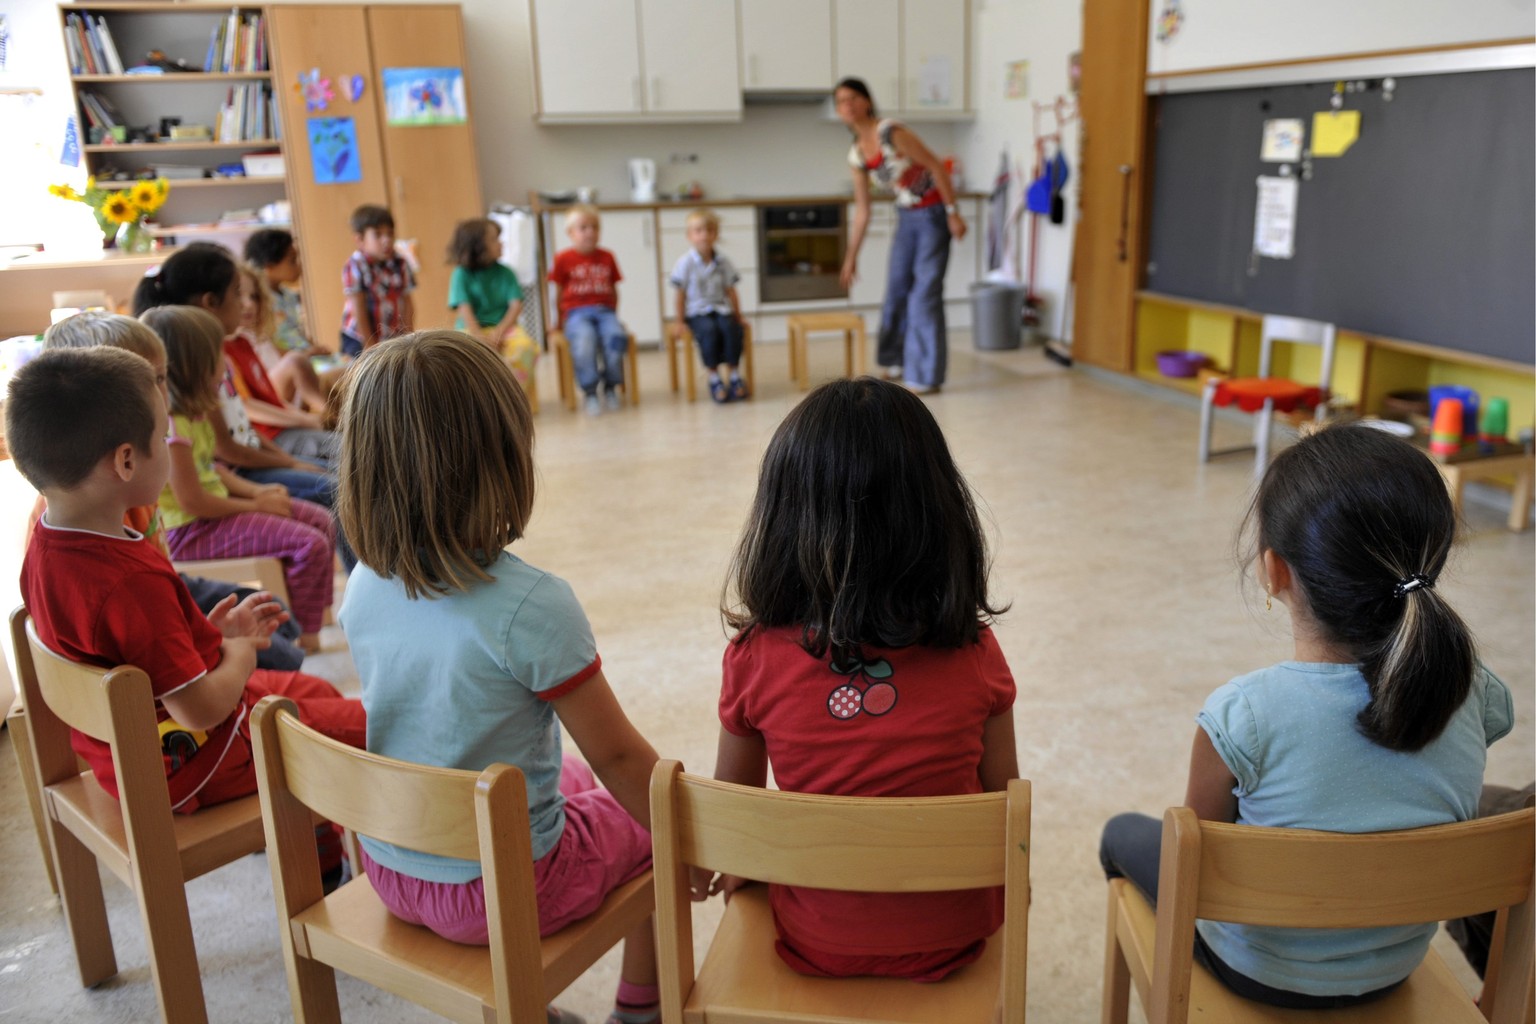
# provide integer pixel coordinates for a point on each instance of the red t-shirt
(909, 723)
(253, 376)
(586, 279)
(115, 600)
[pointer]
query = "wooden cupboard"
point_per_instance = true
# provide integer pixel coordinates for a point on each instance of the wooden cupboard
(427, 175)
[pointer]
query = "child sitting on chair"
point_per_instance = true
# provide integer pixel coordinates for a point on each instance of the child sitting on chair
(485, 294)
(705, 280)
(87, 428)
(585, 276)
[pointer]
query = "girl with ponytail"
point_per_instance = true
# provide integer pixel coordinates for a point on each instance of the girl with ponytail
(1381, 723)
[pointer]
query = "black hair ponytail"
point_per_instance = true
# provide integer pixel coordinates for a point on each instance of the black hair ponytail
(1365, 524)
(200, 269)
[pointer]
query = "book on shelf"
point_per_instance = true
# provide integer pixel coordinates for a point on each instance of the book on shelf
(89, 45)
(246, 114)
(237, 43)
(99, 111)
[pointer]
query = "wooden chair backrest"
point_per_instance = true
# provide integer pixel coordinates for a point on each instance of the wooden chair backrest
(859, 844)
(474, 816)
(1305, 332)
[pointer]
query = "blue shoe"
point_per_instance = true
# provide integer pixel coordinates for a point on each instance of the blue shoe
(718, 391)
(738, 389)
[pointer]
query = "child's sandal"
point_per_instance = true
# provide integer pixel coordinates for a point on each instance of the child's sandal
(718, 391)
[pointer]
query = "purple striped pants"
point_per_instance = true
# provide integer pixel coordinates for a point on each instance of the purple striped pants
(306, 545)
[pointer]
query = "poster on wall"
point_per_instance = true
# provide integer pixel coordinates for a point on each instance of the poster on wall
(333, 150)
(1282, 139)
(424, 96)
(1016, 85)
(1274, 219)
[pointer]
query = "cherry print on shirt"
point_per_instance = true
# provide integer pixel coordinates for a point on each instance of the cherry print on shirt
(875, 698)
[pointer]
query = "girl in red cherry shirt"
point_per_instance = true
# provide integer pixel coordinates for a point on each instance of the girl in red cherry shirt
(863, 663)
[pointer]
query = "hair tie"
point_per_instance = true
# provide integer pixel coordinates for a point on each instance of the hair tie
(1417, 581)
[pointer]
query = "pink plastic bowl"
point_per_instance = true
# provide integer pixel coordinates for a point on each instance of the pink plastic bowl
(1179, 363)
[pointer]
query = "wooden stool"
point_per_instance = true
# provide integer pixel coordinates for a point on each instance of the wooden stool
(1516, 463)
(679, 345)
(565, 370)
(802, 324)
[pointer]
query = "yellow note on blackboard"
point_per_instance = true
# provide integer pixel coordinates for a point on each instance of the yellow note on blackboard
(1334, 131)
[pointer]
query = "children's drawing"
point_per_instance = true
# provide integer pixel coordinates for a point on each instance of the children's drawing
(1170, 20)
(355, 86)
(333, 150)
(424, 96)
(317, 91)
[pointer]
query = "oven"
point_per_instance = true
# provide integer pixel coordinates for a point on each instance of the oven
(800, 251)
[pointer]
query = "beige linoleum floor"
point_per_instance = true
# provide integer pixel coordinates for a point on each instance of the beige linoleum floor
(1113, 546)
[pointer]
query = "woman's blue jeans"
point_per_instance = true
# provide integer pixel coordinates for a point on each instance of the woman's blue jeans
(912, 333)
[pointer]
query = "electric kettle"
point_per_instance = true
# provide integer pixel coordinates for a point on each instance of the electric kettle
(642, 180)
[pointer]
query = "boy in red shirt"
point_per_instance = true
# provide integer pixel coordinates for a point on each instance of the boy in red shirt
(584, 277)
(87, 428)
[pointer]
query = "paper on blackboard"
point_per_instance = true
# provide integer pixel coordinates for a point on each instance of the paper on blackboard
(1274, 218)
(1282, 139)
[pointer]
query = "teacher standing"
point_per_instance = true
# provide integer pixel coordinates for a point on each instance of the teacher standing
(913, 345)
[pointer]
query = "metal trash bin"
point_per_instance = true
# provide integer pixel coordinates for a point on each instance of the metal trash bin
(997, 315)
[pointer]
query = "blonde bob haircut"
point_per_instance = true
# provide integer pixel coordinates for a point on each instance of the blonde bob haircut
(703, 215)
(436, 461)
(96, 327)
(580, 212)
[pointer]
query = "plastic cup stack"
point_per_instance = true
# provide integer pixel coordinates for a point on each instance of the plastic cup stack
(1495, 425)
(1445, 435)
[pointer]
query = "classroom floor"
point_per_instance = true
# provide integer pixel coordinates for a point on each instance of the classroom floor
(1113, 546)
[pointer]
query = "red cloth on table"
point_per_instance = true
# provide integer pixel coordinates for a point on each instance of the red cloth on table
(1250, 392)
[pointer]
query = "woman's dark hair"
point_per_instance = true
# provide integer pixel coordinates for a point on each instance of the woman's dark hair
(863, 530)
(268, 247)
(200, 269)
(467, 248)
(1356, 513)
(857, 85)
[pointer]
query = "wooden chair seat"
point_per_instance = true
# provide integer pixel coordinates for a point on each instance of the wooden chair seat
(801, 325)
(679, 346)
(1431, 995)
(258, 573)
(565, 370)
(742, 978)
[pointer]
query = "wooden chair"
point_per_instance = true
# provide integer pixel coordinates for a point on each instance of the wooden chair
(153, 851)
(1295, 878)
(850, 843)
(1264, 394)
(258, 573)
(680, 347)
(461, 814)
(565, 370)
(851, 325)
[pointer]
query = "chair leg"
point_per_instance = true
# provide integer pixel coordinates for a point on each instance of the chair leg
(1261, 430)
(746, 352)
(1207, 411)
(172, 952)
(85, 911)
(670, 341)
(566, 371)
(1117, 974)
(21, 746)
(794, 370)
(693, 372)
(861, 349)
(632, 372)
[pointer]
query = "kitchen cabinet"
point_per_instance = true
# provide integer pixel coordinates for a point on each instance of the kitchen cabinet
(935, 71)
(631, 236)
(874, 255)
(869, 47)
(654, 60)
(786, 44)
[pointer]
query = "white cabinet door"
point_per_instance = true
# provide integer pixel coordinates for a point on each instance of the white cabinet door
(874, 256)
(934, 56)
(588, 56)
(786, 44)
(631, 236)
(689, 56)
(962, 271)
(869, 47)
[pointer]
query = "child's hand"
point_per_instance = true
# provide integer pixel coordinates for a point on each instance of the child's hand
(240, 651)
(702, 884)
(257, 617)
(275, 503)
(676, 330)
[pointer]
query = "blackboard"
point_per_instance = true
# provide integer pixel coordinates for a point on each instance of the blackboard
(1424, 230)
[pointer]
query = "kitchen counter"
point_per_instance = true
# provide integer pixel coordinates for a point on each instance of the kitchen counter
(540, 206)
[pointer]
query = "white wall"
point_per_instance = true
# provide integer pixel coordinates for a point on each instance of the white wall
(1045, 33)
(1219, 33)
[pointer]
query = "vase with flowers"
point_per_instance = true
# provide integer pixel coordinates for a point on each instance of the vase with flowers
(122, 213)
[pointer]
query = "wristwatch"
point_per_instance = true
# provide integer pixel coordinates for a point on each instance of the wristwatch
(951, 209)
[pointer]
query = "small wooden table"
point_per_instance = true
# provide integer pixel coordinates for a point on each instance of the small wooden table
(801, 324)
(1504, 460)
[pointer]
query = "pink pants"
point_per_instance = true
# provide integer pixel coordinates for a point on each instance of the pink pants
(306, 544)
(601, 848)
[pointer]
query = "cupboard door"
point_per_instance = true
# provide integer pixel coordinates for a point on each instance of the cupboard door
(631, 236)
(934, 56)
(433, 174)
(874, 255)
(786, 44)
(305, 37)
(588, 56)
(869, 47)
(689, 57)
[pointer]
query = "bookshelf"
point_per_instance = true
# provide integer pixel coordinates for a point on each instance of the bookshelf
(146, 74)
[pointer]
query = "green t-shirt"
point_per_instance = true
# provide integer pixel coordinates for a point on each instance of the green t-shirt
(489, 290)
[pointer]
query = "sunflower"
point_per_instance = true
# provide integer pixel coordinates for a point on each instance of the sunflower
(145, 196)
(65, 192)
(162, 188)
(120, 210)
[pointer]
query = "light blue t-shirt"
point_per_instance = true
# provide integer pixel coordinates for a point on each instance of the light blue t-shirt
(1289, 735)
(465, 681)
(704, 284)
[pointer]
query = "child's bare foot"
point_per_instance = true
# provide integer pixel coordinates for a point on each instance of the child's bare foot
(309, 643)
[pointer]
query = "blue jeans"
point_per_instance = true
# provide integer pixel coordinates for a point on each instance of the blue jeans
(585, 327)
(719, 337)
(912, 331)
